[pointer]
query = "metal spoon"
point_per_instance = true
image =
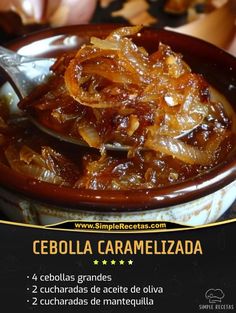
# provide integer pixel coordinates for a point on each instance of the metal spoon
(25, 73)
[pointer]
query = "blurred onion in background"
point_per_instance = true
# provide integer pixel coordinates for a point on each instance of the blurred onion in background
(18, 17)
(54, 12)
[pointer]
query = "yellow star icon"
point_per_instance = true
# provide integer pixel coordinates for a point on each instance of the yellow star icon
(130, 262)
(95, 262)
(104, 262)
(122, 262)
(113, 262)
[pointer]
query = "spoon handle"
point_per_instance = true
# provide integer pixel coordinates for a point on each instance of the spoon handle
(9, 58)
(9, 62)
(24, 72)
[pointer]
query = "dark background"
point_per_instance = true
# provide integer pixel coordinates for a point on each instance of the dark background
(185, 278)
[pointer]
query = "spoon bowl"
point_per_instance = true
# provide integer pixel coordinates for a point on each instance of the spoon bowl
(25, 73)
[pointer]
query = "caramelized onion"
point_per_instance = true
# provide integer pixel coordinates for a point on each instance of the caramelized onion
(113, 90)
(185, 152)
(89, 135)
(49, 166)
(122, 62)
(31, 164)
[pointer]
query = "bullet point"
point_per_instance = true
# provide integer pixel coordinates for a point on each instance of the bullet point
(27, 288)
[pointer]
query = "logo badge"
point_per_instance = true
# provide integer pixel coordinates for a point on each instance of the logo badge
(214, 295)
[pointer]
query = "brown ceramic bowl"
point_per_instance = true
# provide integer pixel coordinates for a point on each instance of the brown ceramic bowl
(196, 201)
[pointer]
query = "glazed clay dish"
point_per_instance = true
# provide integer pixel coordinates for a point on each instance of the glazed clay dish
(190, 191)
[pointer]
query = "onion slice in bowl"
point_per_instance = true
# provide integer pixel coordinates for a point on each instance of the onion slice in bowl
(185, 152)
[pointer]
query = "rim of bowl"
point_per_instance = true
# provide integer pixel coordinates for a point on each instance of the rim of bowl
(125, 200)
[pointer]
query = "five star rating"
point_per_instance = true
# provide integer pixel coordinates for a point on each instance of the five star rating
(113, 262)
